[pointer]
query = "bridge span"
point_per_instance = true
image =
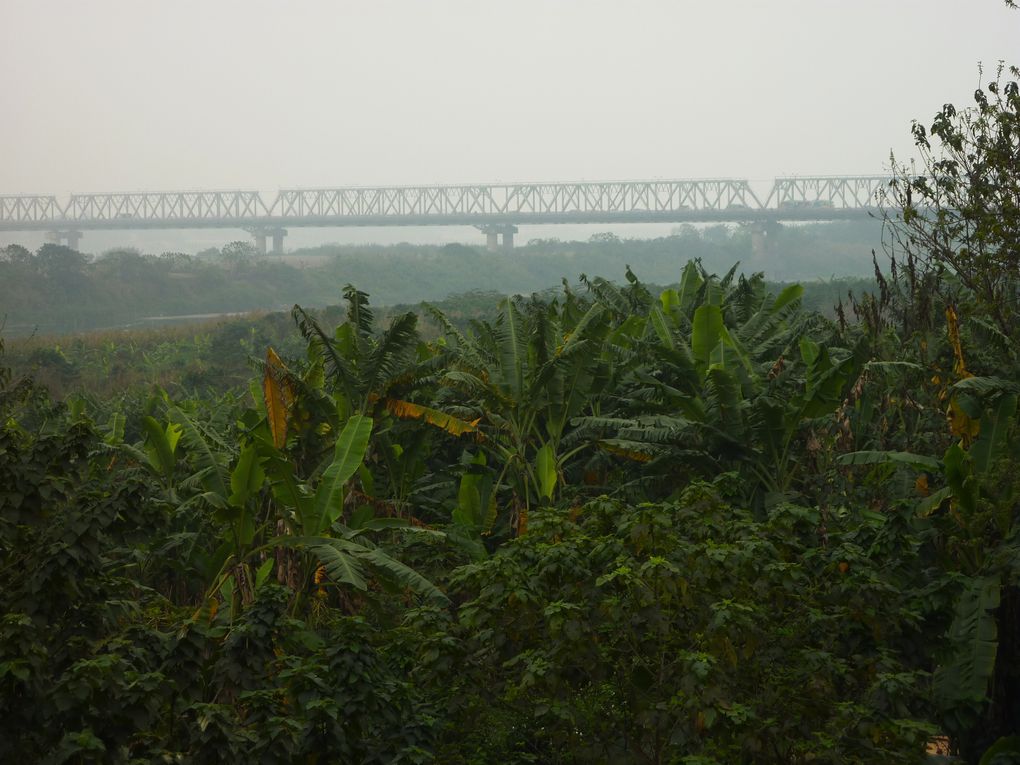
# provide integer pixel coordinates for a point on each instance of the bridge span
(495, 209)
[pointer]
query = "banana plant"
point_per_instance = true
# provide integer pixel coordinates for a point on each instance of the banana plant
(200, 470)
(527, 377)
(386, 377)
(972, 502)
(720, 385)
(313, 513)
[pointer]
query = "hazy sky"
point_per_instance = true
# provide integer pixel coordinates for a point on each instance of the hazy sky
(140, 94)
(118, 95)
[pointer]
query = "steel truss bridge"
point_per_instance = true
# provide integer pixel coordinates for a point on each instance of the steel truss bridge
(494, 209)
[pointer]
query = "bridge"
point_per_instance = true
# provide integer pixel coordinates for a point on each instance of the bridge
(496, 210)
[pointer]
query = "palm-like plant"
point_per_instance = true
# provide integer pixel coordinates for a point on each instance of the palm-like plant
(382, 377)
(726, 379)
(525, 377)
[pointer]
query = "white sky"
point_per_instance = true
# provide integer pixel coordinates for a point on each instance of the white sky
(118, 95)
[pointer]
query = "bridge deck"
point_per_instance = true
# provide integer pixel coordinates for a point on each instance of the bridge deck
(675, 201)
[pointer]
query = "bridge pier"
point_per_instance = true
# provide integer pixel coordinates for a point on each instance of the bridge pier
(758, 234)
(278, 235)
(262, 235)
(65, 236)
(762, 235)
(494, 231)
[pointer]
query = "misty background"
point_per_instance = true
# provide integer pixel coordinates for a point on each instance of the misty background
(116, 95)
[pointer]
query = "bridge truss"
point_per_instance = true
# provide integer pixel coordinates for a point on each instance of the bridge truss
(482, 205)
(170, 207)
(514, 201)
(844, 192)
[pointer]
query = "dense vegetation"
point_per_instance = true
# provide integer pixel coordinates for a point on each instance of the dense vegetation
(57, 289)
(698, 525)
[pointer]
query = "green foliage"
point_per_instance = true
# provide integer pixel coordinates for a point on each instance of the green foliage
(698, 524)
(960, 216)
(644, 633)
(350, 451)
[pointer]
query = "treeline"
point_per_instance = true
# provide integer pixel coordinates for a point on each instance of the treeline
(57, 289)
(198, 356)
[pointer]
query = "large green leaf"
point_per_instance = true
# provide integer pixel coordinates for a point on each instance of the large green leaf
(724, 401)
(348, 454)
(468, 512)
(384, 523)
(390, 355)
(391, 568)
(959, 472)
(733, 347)
(788, 295)
(545, 466)
(345, 561)
(579, 333)
(824, 384)
(916, 461)
(658, 321)
(690, 283)
(669, 302)
(512, 349)
(212, 471)
(706, 332)
(340, 563)
(809, 351)
(286, 489)
(159, 447)
(324, 351)
(933, 501)
(992, 438)
(246, 478)
(115, 429)
(986, 386)
(973, 634)
(762, 324)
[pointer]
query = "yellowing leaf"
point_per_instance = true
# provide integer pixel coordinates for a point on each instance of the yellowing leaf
(522, 522)
(953, 327)
(921, 485)
(960, 424)
(409, 411)
(279, 395)
(622, 451)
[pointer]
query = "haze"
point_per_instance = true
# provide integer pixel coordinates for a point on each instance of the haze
(116, 96)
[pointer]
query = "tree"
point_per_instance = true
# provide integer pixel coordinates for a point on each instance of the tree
(954, 238)
(238, 253)
(960, 218)
(15, 254)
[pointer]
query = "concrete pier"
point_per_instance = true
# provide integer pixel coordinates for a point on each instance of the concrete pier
(262, 237)
(493, 232)
(278, 235)
(66, 237)
(763, 235)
